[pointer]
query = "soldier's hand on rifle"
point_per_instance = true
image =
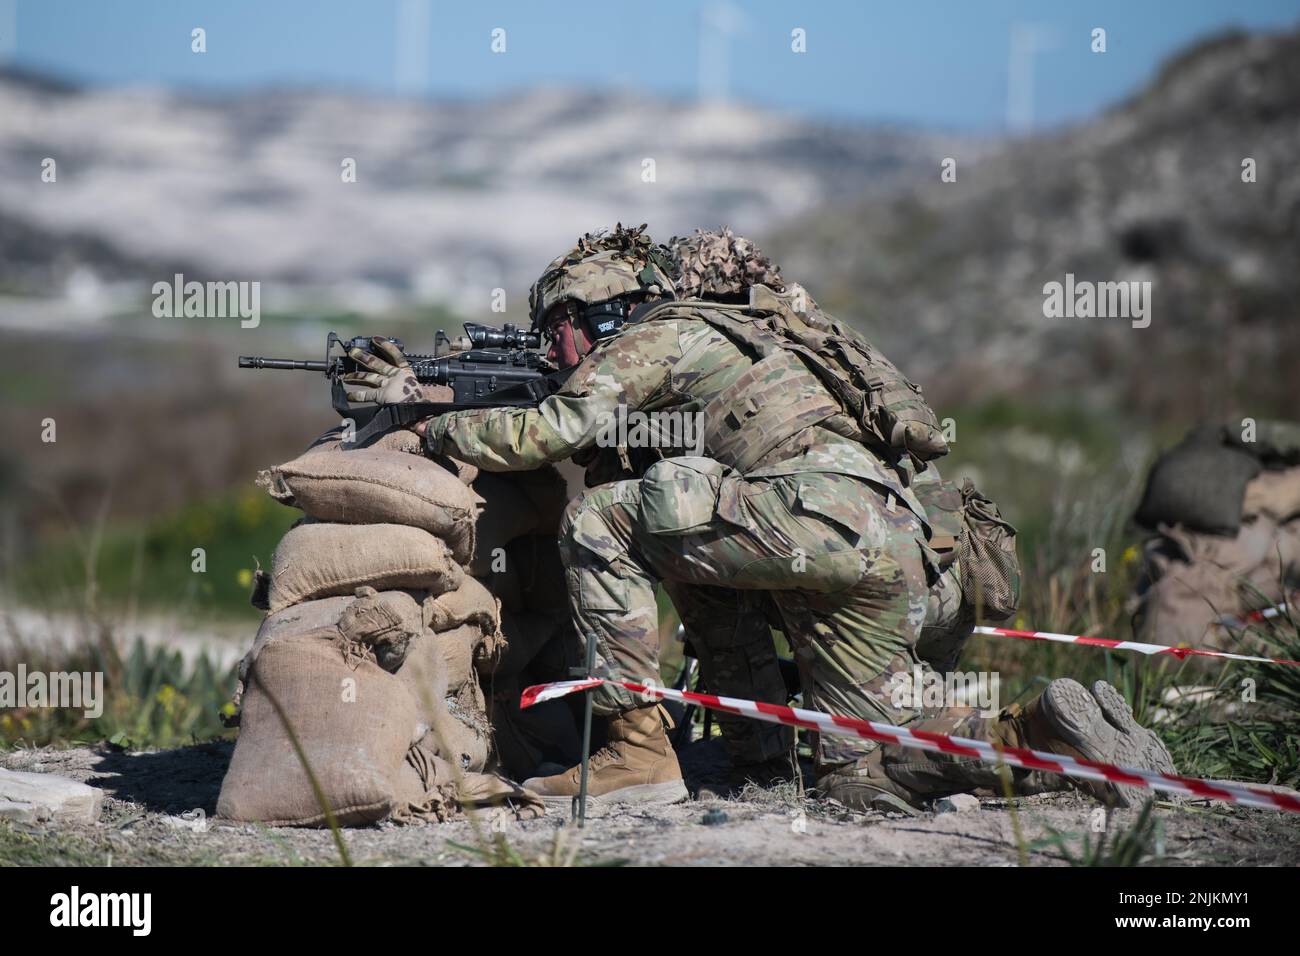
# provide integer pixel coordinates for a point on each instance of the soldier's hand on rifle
(390, 377)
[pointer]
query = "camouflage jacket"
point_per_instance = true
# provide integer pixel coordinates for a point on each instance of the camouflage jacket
(671, 363)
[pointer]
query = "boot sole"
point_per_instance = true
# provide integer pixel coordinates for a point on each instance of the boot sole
(1137, 746)
(1078, 719)
(674, 791)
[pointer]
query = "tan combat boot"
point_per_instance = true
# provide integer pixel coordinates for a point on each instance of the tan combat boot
(637, 765)
(864, 785)
(1099, 726)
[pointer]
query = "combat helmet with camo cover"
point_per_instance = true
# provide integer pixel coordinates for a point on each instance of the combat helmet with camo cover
(598, 272)
(721, 265)
(882, 408)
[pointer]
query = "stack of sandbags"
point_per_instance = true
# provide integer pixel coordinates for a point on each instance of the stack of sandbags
(1225, 508)
(1190, 580)
(368, 660)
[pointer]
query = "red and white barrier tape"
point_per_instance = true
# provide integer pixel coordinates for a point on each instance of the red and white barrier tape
(1138, 646)
(939, 743)
(1266, 614)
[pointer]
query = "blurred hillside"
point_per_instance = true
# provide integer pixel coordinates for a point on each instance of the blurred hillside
(451, 200)
(948, 277)
(160, 435)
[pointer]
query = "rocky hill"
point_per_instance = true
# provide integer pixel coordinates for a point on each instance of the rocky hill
(949, 277)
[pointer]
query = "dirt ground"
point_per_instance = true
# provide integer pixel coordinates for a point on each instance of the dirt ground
(146, 794)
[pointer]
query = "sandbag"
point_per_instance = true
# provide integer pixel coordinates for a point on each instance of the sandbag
(439, 676)
(325, 613)
(443, 663)
(1190, 580)
(1275, 443)
(354, 721)
(427, 671)
(464, 742)
(324, 559)
(430, 789)
(515, 504)
(297, 619)
(1199, 484)
(469, 602)
(383, 622)
(374, 486)
(1182, 606)
(1273, 493)
(399, 439)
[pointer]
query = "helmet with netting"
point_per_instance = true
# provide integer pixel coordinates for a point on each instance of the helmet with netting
(719, 265)
(600, 267)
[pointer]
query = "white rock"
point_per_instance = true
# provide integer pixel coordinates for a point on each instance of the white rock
(19, 812)
(957, 803)
(56, 798)
(195, 820)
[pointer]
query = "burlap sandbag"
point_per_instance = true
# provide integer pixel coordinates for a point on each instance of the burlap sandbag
(470, 601)
(1199, 484)
(1190, 580)
(374, 486)
(515, 504)
(354, 721)
(430, 789)
(426, 672)
(464, 742)
(1274, 494)
(439, 665)
(439, 676)
(399, 439)
(313, 615)
(324, 559)
(385, 622)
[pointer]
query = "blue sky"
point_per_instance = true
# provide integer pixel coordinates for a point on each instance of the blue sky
(930, 62)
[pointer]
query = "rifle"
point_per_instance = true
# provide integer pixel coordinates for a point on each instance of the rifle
(485, 368)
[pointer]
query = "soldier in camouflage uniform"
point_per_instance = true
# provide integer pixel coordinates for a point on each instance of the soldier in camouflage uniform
(778, 502)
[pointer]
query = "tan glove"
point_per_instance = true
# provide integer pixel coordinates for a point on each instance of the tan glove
(390, 377)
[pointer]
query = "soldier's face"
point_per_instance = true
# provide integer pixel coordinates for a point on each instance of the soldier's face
(568, 340)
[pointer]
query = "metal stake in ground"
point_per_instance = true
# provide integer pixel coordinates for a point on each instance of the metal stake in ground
(578, 810)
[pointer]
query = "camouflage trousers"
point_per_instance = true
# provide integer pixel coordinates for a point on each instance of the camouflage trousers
(840, 560)
(732, 639)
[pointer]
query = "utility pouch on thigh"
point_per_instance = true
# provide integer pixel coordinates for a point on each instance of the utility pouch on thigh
(680, 495)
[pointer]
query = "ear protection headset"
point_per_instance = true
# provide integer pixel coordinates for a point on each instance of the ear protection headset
(606, 319)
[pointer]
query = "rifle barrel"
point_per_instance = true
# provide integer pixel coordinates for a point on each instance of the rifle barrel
(306, 365)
